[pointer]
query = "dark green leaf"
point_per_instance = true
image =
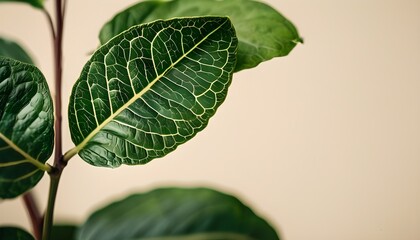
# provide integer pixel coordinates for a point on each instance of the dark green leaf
(34, 3)
(177, 214)
(13, 233)
(64, 232)
(151, 89)
(12, 50)
(26, 127)
(263, 33)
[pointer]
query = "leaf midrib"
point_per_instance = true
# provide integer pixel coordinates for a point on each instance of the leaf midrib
(81, 145)
(28, 157)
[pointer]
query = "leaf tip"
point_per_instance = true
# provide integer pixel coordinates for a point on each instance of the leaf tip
(299, 40)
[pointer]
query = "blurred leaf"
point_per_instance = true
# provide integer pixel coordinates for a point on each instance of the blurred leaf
(64, 232)
(177, 214)
(151, 89)
(34, 3)
(26, 127)
(263, 33)
(12, 50)
(13, 233)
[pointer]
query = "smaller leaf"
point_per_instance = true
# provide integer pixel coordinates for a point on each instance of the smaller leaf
(263, 32)
(177, 214)
(34, 3)
(13, 233)
(26, 127)
(13, 50)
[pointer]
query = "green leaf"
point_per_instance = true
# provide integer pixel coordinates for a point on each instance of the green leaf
(26, 127)
(13, 50)
(34, 3)
(64, 232)
(263, 33)
(177, 214)
(150, 89)
(13, 233)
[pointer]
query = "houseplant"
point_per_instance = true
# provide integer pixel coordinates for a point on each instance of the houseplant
(151, 86)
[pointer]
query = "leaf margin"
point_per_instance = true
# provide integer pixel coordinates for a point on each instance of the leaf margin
(166, 8)
(170, 197)
(34, 3)
(76, 150)
(14, 50)
(12, 231)
(39, 166)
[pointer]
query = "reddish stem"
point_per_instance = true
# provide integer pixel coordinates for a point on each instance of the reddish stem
(58, 60)
(34, 214)
(59, 164)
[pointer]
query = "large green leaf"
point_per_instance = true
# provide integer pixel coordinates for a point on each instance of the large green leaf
(150, 89)
(263, 33)
(13, 233)
(34, 3)
(26, 127)
(177, 214)
(13, 50)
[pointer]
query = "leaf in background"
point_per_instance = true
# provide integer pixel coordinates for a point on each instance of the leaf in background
(263, 33)
(26, 127)
(177, 213)
(151, 89)
(12, 50)
(34, 3)
(63, 232)
(13, 233)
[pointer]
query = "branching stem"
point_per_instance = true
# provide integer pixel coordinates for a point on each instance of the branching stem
(50, 22)
(59, 164)
(70, 153)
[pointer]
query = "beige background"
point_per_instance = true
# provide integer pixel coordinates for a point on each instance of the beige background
(325, 143)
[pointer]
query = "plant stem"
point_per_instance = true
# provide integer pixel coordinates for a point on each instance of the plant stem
(50, 22)
(49, 214)
(58, 60)
(34, 214)
(59, 164)
(29, 199)
(64, 8)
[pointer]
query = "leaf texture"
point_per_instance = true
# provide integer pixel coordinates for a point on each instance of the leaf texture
(13, 50)
(177, 214)
(26, 127)
(34, 3)
(150, 89)
(263, 33)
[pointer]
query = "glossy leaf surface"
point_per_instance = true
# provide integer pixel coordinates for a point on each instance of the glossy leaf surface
(34, 3)
(26, 127)
(177, 214)
(13, 233)
(263, 33)
(151, 89)
(13, 50)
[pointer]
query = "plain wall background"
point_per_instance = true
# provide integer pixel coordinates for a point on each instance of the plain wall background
(325, 143)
